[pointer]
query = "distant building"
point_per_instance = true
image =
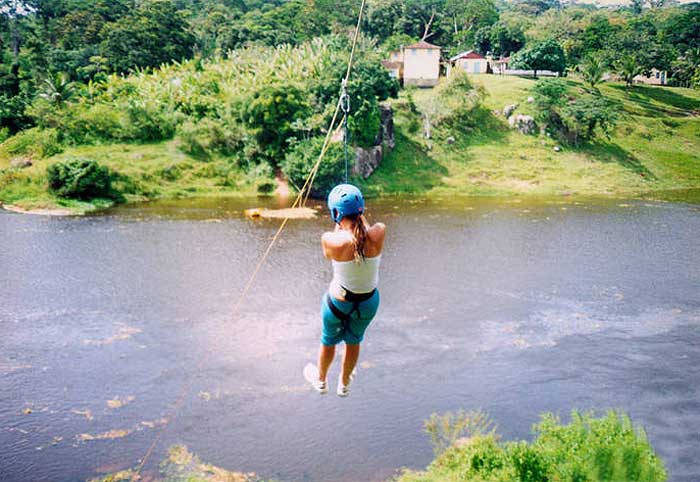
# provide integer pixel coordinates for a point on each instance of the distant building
(417, 64)
(421, 64)
(470, 61)
(500, 66)
(655, 77)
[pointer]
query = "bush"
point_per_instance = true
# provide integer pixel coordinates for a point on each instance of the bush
(206, 136)
(572, 120)
(589, 449)
(34, 142)
(80, 179)
(302, 157)
(91, 123)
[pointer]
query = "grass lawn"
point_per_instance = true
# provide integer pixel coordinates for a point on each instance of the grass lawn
(655, 146)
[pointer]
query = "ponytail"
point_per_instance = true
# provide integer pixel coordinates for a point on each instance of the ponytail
(359, 236)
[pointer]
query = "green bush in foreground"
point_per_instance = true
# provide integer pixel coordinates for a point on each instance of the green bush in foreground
(83, 179)
(588, 449)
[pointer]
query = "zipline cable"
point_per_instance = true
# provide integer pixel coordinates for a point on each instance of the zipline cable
(299, 201)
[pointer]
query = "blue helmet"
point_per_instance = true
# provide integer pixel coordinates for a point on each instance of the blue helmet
(345, 200)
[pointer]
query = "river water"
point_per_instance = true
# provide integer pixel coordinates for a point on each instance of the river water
(513, 306)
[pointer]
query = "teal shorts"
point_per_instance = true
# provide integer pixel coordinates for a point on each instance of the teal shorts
(353, 331)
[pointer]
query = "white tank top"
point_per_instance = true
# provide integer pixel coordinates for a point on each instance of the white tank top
(360, 277)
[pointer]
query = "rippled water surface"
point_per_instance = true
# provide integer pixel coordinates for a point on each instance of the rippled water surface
(516, 307)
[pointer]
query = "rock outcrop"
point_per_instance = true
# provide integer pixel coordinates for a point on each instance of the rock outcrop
(368, 159)
(525, 124)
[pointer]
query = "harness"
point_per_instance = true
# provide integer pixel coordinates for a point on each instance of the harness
(356, 299)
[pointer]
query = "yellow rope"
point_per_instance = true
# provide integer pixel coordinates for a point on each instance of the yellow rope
(300, 200)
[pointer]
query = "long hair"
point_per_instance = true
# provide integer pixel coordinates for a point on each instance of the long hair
(359, 236)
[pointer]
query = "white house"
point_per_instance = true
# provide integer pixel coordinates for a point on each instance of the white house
(655, 77)
(470, 61)
(421, 64)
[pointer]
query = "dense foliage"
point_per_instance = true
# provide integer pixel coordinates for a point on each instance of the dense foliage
(573, 118)
(588, 449)
(83, 179)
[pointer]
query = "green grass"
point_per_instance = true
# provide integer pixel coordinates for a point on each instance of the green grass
(145, 171)
(656, 146)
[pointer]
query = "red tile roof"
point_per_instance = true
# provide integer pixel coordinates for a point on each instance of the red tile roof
(469, 54)
(422, 45)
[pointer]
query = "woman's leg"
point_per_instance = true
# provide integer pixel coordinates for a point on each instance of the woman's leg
(325, 358)
(352, 353)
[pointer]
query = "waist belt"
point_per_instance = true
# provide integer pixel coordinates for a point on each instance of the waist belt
(355, 299)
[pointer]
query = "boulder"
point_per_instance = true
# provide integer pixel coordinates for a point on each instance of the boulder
(557, 149)
(367, 159)
(509, 109)
(525, 124)
(21, 162)
(451, 140)
(530, 100)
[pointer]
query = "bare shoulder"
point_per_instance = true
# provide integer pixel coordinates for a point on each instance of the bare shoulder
(377, 231)
(334, 242)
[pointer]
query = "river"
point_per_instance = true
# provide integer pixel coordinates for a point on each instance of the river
(514, 306)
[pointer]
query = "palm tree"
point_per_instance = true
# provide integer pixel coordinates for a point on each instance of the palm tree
(593, 70)
(628, 68)
(57, 88)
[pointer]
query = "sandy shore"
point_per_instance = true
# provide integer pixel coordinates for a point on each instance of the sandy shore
(39, 211)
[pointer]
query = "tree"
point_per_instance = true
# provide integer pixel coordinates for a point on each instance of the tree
(628, 68)
(57, 89)
(593, 70)
(149, 36)
(547, 55)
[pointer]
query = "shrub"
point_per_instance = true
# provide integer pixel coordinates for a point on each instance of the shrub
(34, 142)
(609, 448)
(206, 136)
(91, 123)
(302, 157)
(573, 120)
(271, 113)
(444, 430)
(588, 449)
(80, 179)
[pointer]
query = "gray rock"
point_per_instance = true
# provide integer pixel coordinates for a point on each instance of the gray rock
(557, 149)
(530, 100)
(21, 162)
(509, 109)
(525, 124)
(367, 160)
(386, 133)
(451, 140)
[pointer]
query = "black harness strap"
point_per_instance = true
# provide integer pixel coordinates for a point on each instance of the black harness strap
(346, 318)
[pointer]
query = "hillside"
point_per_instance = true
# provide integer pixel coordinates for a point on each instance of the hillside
(655, 146)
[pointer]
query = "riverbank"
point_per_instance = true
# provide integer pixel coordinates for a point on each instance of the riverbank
(655, 147)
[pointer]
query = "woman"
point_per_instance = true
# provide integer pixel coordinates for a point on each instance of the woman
(354, 248)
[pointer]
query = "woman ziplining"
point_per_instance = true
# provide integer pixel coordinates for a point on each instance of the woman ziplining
(352, 299)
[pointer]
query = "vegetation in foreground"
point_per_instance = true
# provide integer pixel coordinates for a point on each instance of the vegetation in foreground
(588, 449)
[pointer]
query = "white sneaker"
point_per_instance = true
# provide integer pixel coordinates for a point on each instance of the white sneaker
(311, 376)
(344, 390)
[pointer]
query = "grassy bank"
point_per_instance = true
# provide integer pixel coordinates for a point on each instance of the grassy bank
(655, 146)
(144, 172)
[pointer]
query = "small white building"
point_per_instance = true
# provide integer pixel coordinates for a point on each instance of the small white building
(421, 64)
(470, 61)
(655, 77)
